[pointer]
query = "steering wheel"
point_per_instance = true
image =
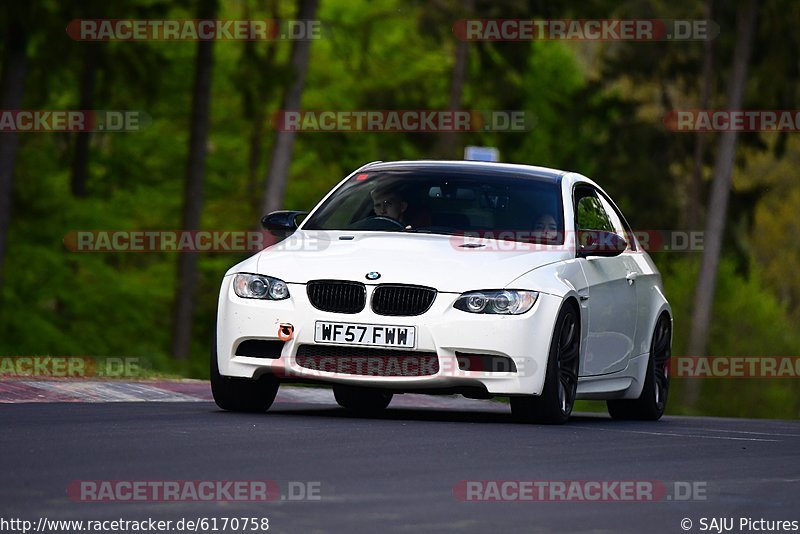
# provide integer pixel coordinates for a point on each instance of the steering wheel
(395, 222)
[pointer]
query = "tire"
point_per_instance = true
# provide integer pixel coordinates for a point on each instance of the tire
(363, 401)
(241, 394)
(554, 405)
(652, 402)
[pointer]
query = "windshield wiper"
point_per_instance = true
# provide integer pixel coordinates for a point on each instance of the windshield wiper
(430, 231)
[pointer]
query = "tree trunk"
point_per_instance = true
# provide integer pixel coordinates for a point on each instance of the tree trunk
(446, 147)
(278, 174)
(254, 159)
(718, 204)
(693, 203)
(12, 87)
(256, 109)
(80, 161)
(193, 192)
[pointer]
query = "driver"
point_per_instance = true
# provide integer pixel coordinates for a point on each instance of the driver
(388, 202)
(546, 227)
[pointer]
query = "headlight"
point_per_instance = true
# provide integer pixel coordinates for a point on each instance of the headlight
(497, 301)
(256, 286)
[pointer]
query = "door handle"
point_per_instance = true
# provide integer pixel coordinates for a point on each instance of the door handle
(631, 277)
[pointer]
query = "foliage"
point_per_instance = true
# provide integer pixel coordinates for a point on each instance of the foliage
(747, 320)
(596, 109)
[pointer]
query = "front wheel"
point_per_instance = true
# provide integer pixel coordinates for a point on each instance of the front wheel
(554, 405)
(652, 402)
(241, 394)
(364, 401)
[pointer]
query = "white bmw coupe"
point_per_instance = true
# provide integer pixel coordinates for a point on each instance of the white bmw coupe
(441, 277)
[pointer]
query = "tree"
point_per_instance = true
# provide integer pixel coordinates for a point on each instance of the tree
(696, 180)
(721, 185)
(278, 174)
(193, 192)
(255, 76)
(448, 141)
(12, 87)
(80, 161)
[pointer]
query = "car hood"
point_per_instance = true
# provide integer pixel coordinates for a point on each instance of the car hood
(436, 261)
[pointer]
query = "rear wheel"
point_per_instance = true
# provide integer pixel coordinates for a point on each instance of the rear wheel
(241, 394)
(651, 403)
(554, 405)
(362, 400)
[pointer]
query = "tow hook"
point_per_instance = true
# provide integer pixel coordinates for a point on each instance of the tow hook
(285, 331)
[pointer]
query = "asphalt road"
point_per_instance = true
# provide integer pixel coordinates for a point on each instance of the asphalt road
(395, 473)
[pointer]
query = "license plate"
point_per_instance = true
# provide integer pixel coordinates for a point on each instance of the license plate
(365, 334)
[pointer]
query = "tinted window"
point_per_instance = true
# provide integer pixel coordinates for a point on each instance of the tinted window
(444, 203)
(616, 220)
(590, 214)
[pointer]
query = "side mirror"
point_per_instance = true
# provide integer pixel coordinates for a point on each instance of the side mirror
(600, 243)
(282, 223)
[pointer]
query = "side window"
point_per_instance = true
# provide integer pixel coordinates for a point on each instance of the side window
(616, 221)
(590, 214)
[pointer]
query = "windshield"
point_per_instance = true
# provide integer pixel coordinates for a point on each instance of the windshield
(499, 206)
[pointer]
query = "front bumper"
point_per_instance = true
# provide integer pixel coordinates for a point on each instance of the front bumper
(442, 330)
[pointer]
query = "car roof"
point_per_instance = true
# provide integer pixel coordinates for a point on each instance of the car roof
(473, 167)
